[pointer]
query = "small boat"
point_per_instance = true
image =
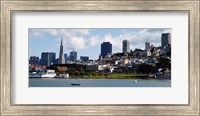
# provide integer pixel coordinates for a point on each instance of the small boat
(75, 84)
(136, 81)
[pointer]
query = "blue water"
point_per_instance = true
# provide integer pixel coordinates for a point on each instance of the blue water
(98, 83)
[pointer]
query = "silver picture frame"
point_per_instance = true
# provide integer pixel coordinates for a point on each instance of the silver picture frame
(8, 6)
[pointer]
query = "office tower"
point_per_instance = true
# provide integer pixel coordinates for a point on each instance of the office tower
(61, 55)
(147, 45)
(165, 39)
(34, 60)
(106, 48)
(47, 58)
(125, 46)
(52, 57)
(65, 56)
(73, 56)
(44, 61)
(84, 58)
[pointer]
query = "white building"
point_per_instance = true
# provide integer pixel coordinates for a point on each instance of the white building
(43, 74)
(63, 75)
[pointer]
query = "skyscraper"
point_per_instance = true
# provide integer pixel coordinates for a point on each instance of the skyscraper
(52, 57)
(106, 48)
(61, 55)
(47, 58)
(165, 39)
(44, 61)
(73, 55)
(147, 45)
(125, 46)
(65, 56)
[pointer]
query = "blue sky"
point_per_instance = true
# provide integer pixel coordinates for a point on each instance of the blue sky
(87, 42)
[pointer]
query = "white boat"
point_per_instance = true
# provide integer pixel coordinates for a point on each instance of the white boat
(43, 74)
(136, 81)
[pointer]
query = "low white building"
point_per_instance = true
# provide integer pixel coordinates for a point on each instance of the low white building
(63, 75)
(43, 74)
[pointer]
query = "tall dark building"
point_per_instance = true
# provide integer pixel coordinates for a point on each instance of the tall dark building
(84, 58)
(125, 46)
(34, 60)
(73, 56)
(61, 55)
(165, 39)
(65, 56)
(44, 61)
(52, 57)
(106, 48)
(147, 45)
(47, 58)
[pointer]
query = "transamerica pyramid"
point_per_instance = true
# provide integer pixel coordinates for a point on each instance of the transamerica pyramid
(61, 55)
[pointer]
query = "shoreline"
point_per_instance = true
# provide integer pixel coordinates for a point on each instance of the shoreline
(100, 79)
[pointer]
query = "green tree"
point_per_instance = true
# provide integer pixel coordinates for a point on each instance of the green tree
(145, 69)
(71, 72)
(82, 73)
(164, 63)
(76, 73)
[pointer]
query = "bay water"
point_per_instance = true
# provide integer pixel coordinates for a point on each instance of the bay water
(52, 82)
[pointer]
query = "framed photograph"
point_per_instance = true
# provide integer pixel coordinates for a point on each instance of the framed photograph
(100, 57)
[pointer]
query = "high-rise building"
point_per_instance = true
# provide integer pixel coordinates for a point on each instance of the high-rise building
(147, 45)
(52, 57)
(61, 55)
(44, 61)
(125, 46)
(73, 56)
(34, 60)
(65, 56)
(165, 39)
(106, 48)
(84, 58)
(47, 58)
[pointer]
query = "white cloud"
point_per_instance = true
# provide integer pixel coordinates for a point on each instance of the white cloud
(82, 38)
(93, 41)
(74, 43)
(37, 32)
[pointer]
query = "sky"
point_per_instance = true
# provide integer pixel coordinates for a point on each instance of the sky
(87, 42)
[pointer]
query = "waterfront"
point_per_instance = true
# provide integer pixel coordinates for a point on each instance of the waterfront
(120, 63)
(48, 82)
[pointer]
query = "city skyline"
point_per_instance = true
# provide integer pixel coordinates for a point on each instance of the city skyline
(87, 42)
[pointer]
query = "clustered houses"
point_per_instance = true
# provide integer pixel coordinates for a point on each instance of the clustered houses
(130, 60)
(122, 61)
